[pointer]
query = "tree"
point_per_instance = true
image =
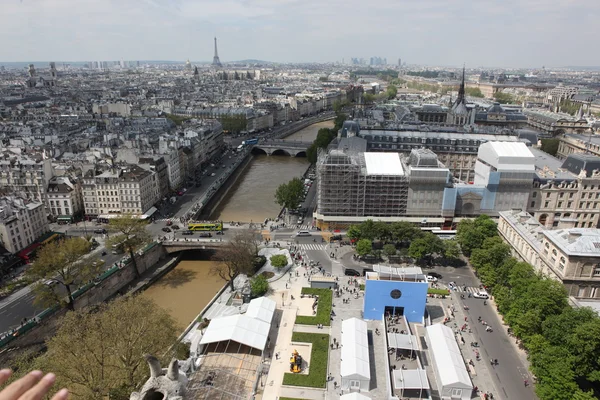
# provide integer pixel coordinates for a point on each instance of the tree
(62, 263)
(93, 353)
(279, 261)
(550, 146)
(339, 120)
(289, 195)
(131, 233)
(354, 232)
(391, 92)
(473, 92)
(389, 249)
(369, 230)
(403, 231)
(505, 98)
(234, 123)
(451, 249)
(236, 257)
(324, 137)
(259, 285)
(424, 248)
(364, 247)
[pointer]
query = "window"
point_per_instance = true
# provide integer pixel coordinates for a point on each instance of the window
(597, 270)
(534, 195)
(547, 195)
(457, 393)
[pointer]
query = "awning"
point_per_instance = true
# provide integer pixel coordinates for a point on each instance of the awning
(401, 341)
(64, 218)
(410, 379)
(149, 213)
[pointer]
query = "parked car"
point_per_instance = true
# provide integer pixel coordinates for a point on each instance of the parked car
(187, 233)
(365, 270)
(165, 229)
(351, 272)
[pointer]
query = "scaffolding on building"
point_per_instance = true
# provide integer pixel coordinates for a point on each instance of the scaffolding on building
(347, 188)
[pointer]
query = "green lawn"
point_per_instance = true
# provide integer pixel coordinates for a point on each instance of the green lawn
(443, 292)
(317, 370)
(323, 309)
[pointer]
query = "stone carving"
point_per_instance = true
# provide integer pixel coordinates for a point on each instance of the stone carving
(596, 173)
(582, 174)
(164, 383)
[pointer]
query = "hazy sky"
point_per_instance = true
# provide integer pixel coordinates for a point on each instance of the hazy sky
(504, 33)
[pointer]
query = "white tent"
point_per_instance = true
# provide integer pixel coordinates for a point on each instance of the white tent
(410, 379)
(239, 328)
(453, 378)
(354, 396)
(354, 368)
(262, 309)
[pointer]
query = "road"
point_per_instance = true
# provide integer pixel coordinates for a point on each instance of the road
(20, 304)
(511, 371)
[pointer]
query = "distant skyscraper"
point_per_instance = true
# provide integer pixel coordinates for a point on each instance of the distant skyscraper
(216, 62)
(399, 62)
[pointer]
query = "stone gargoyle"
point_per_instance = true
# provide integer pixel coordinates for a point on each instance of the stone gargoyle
(163, 384)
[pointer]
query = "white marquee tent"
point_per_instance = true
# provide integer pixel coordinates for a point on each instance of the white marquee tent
(355, 369)
(451, 372)
(251, 328)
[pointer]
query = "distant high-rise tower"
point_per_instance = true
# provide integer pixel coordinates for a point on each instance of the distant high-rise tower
(216, 61)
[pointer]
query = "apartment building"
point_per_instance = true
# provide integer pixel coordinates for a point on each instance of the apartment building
(574, 144)
(64, 199)
(21, 222)
(566, 189)
(26, 176)
(567, 254)
(128, 189)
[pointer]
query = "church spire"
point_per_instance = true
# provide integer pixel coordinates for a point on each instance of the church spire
(461, 90)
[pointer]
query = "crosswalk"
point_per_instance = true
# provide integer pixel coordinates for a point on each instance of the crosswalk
(470, 289)
(304, 227)
(312, 246)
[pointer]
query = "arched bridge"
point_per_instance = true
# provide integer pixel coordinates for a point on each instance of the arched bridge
(276, 147)
(173, 246)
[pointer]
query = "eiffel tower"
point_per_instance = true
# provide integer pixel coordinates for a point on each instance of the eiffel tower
(216, 62)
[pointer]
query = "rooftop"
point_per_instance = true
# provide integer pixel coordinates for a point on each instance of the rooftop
(387, 164)
(576, 241)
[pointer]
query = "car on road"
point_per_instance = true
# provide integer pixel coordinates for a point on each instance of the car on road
(303, 233)
(205, 234)
(431, 278)
(452, 285)
(365, 270)
(165, 229)
(100, 231)
(435, 275)
(175, 227)
(213, 174)
(187, 233)
(481, 294)
(351, 272)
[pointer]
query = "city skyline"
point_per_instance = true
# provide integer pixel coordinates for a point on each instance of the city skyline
(501, 34)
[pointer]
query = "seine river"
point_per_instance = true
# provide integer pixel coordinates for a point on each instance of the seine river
(188, 288)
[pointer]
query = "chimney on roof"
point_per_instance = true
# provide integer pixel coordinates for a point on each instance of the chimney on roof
(574, 234)
(567, 223)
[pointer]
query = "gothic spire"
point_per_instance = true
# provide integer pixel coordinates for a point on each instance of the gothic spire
(461, 90)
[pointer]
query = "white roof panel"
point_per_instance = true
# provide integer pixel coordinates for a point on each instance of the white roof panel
(261, 308)
(239, 328)
(354, 396)
(384, 164)
(410, 379)
(355, 349)
(447, 357)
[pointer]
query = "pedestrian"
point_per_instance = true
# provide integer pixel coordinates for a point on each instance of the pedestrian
(334, 384)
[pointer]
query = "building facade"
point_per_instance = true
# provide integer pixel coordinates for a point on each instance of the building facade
(64, 199)
(569, 255)
(21, 223)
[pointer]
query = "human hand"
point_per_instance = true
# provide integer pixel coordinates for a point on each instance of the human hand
(30, 387)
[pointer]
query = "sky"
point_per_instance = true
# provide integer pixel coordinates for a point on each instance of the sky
(479, 33)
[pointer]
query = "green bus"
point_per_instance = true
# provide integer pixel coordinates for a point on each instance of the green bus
(205, 226)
